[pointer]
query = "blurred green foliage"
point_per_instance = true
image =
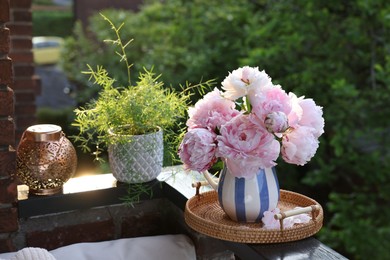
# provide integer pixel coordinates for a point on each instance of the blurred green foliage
(52, 23)
(336, 52)
(182, 40)
(42, 2)
(64, 118)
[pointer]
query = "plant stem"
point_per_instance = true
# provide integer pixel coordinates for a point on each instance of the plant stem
(248, 105)
(121, 45)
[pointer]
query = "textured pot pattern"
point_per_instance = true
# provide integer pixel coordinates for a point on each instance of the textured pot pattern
(139, 160)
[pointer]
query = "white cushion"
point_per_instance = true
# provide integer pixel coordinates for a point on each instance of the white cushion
(30, 253)
(169, 247)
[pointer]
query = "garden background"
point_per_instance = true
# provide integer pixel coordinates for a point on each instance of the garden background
(336, 52)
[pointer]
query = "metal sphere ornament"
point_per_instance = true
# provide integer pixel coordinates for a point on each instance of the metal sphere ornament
(46, 159)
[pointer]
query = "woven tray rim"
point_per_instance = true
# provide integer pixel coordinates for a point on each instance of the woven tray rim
(249, 232)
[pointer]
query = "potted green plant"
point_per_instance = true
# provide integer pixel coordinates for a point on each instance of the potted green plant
(129, 120)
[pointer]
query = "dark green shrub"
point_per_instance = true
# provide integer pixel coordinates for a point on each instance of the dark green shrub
(182, 40)
(42, 2)
(52, 23)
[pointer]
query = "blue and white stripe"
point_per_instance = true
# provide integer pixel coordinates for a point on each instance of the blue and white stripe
(246, 200)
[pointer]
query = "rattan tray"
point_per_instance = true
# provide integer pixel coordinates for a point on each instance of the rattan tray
(203, 214)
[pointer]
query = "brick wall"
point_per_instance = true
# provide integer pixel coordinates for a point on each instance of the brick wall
(16, 80)
(8, 213)
(26, 84)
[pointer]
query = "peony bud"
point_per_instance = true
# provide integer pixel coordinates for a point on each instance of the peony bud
(276, 122)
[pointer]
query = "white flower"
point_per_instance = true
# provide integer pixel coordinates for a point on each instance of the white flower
(244, 81)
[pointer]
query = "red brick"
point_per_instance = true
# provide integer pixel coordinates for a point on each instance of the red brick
(25, 96)
(21, 43)
(7, 131)
(21, 15)
(24, 28)
(21, 4)
(6, 71)
(25, 83)
(4, 11)
(38, 84)
(25, 108)
(22, 56)
(7, 245)
(8, 220)
(26, 70)
(4, 40)
(62, 236)
(6, 102)
(7, 162)
(8, 191)
(23, 122)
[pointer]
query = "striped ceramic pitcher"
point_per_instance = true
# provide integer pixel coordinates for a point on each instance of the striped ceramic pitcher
(246, 200)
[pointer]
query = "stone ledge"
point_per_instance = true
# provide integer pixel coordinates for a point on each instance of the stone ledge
(73, 199)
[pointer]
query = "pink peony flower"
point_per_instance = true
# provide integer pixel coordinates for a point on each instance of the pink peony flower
(212, 111)
(312, 116)
(296, 112)
(270, 99)
(301, 218)
(244, 81)
(241, 140)
(272, 123)
(197, 150)
(276, 122)
(270, 222)
(299, 145)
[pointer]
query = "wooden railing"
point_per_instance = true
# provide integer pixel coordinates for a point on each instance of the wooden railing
(178, 189)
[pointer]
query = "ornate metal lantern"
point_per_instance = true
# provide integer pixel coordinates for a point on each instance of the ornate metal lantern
(46, 159)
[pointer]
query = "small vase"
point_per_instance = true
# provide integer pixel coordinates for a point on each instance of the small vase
(246, 199)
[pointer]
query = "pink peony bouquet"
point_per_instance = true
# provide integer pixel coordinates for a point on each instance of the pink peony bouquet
(249, 124)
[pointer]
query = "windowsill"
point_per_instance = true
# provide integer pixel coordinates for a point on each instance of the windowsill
(100, 190)
(103, 189)
(78, 184)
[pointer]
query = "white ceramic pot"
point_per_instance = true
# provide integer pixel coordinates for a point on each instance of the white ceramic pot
(139, 160)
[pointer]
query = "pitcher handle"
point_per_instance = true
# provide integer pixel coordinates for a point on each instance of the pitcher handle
(210, 180)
